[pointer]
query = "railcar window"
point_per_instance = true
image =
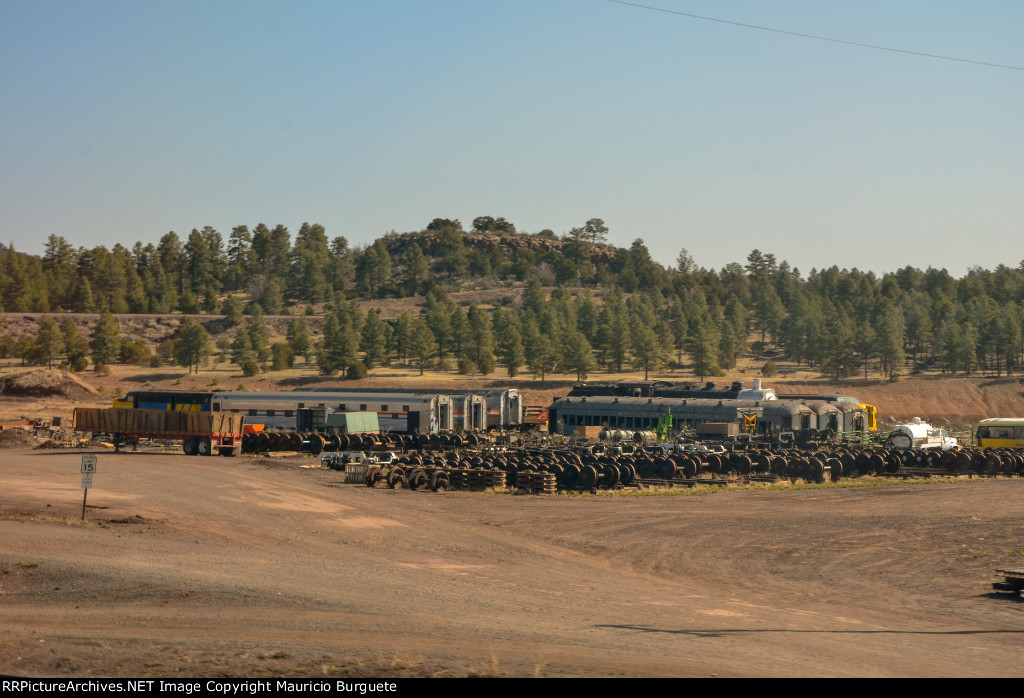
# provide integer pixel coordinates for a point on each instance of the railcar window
(271, 413)
(383, 408)
(362, 408)
(341, 407)
(289, 413)
(252, 412)
(405, 408)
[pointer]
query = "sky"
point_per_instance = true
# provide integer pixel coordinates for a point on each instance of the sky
(123, 120)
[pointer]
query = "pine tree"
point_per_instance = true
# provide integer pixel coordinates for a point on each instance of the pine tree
(310, 261)
(577, 354)
(240, 261)
(400, 336)
(232, 310)
(339, 347)
(49, 341)
(106, 339)
(414, 269)
(300, 338)
(241, 349)
(865, 345)
(75, 346)
(193, 345)
(374, 342)
(259, 333)
(647, 351)
(480, 340)
(702, 346)
(422, 344)
(542, 356)
(890, 341)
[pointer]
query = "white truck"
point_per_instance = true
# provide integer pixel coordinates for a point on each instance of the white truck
(920, 435)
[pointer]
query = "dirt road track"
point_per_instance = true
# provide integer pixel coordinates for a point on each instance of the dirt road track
(243, 567)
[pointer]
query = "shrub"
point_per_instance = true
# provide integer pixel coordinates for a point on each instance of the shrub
(78, 362)
(135, 352)
(357, 370)
(250, 368)
(282, 356)
(769, 370)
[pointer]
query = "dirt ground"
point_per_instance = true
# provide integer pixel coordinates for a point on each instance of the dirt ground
(269, 567)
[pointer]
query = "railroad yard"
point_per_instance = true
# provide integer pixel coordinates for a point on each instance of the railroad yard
(273, 565)
(753, 537)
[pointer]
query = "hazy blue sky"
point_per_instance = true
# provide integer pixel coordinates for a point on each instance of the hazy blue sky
(122, 120)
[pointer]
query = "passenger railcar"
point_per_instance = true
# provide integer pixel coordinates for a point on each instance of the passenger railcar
(505, 409)
(1005, 432)
(632, 413)
(397, 412)
(474, 410)
(469, 411)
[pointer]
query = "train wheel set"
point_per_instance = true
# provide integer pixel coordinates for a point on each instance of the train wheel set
(317, 443)
(544, 471)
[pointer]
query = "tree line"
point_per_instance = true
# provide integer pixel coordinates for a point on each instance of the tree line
(585, 305)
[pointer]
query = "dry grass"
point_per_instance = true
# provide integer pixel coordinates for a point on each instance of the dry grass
(938, 398)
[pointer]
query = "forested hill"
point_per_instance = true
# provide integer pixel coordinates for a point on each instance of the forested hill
(575, 303)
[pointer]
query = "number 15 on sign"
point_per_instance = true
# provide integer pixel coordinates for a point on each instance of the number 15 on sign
(88, 470)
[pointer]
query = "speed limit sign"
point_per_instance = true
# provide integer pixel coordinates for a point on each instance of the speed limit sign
(88, 470)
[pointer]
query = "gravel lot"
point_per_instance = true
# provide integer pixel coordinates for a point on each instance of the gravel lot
(267, 567)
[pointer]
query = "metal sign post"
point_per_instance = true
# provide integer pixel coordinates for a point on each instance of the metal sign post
(88, 470)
